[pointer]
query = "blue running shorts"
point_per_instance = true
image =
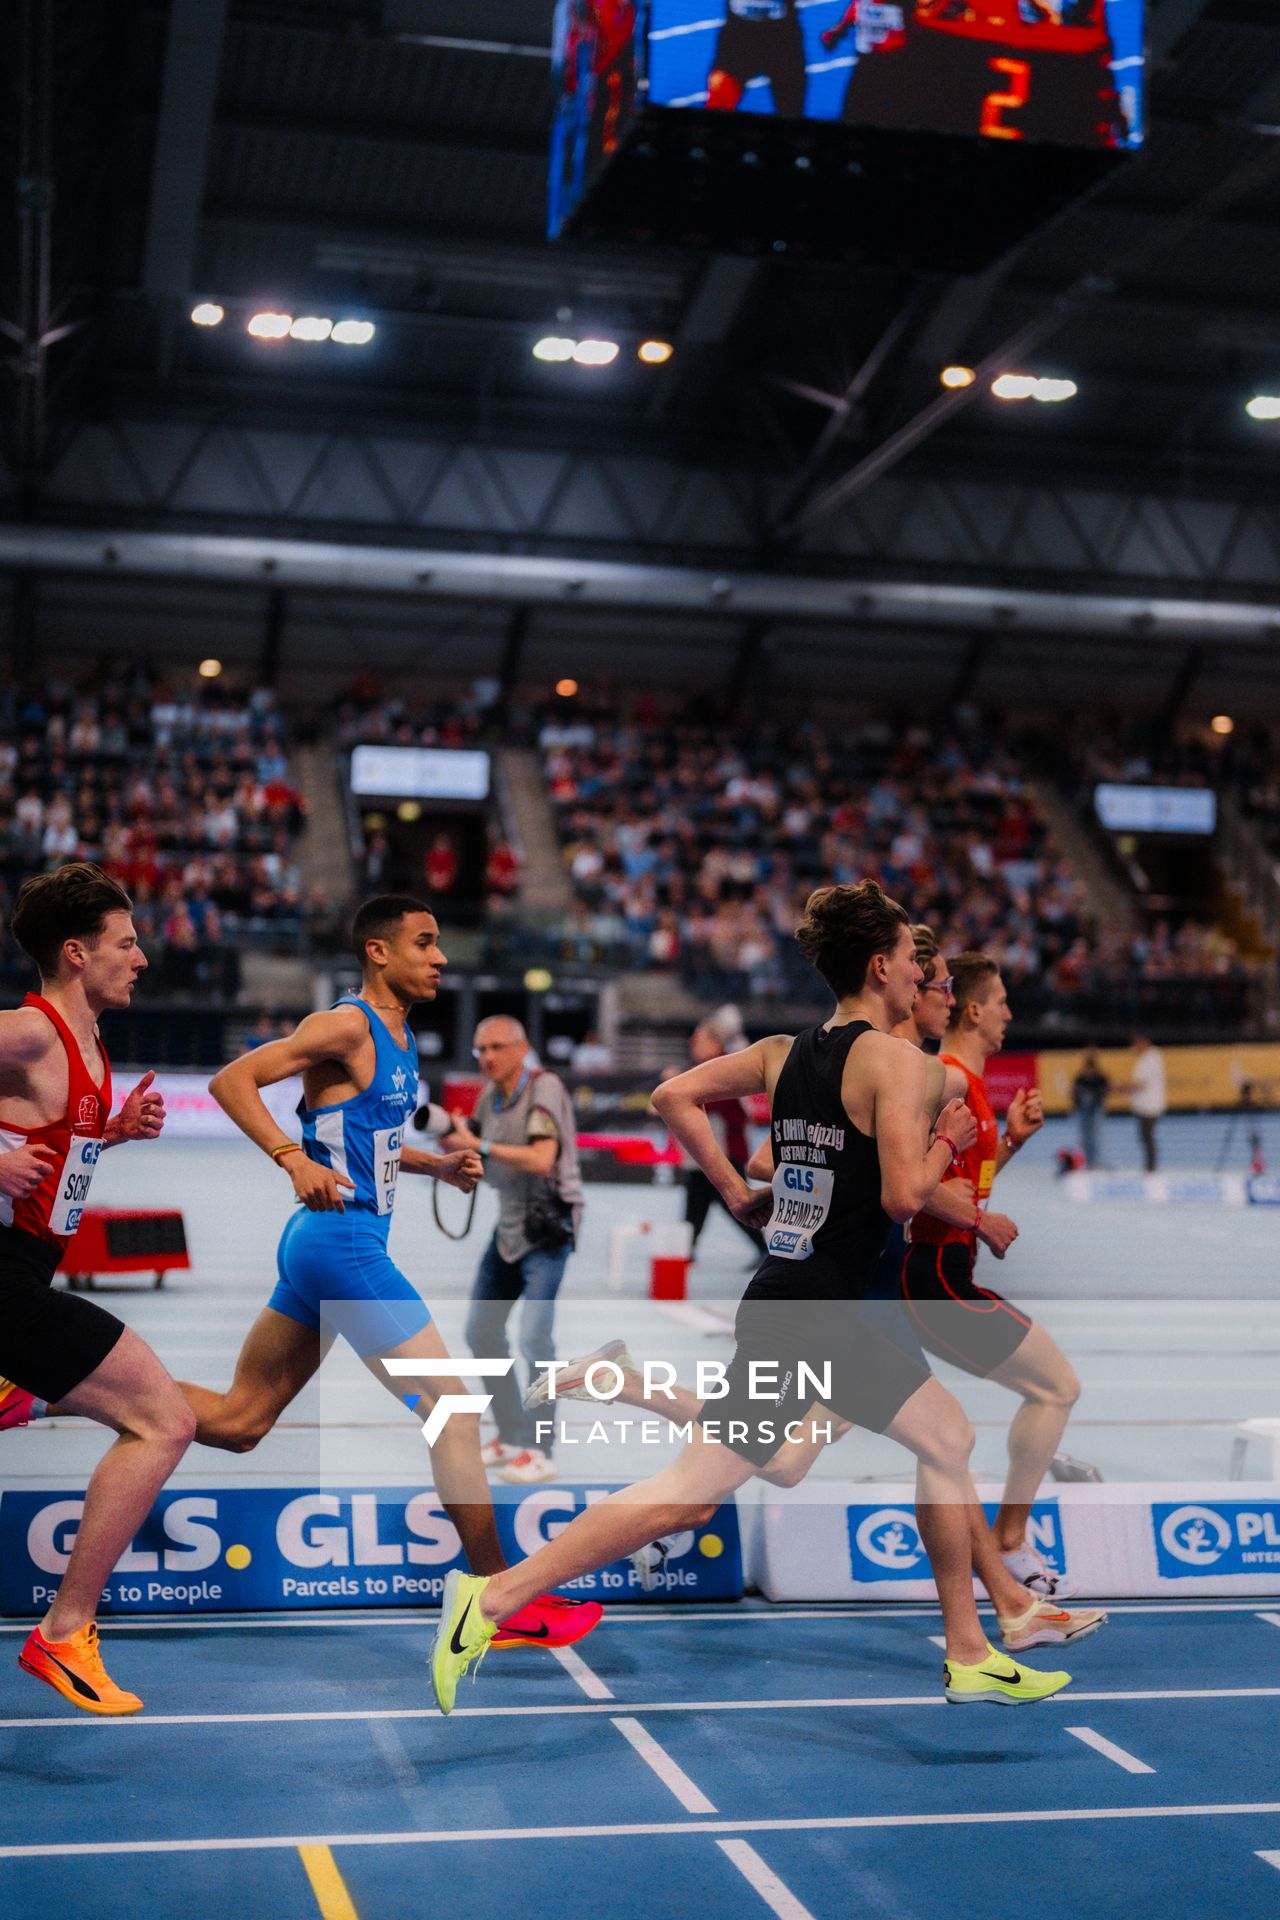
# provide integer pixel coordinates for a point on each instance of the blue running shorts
(334, 1272)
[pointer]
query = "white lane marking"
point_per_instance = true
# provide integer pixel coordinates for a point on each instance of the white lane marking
(843, 1702)
(1272, 1619)
(577, 1669)
(842, 1823)
(764, 1880)
(656, 1614)
(1272, 1859)
(1109, 1750)
(691, 1797)
(939, 1640)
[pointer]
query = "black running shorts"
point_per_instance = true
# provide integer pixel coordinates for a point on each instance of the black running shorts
(853, 1368)
(956, 1320)
(49, 1341)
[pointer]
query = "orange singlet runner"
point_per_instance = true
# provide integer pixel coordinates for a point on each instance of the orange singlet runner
(956, 1319)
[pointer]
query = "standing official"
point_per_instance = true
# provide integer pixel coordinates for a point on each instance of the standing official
(524, 1130)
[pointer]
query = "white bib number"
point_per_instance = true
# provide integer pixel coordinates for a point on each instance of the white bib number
(801, 1203)
(73, 1185)
(387, 1143)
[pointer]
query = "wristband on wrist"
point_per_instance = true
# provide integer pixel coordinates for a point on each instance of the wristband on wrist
(945, 1140)
(482, 1148)
(278, 1153)
(1014, 1146)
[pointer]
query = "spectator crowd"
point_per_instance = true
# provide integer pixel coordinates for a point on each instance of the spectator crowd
(692, 849)
(185, 799)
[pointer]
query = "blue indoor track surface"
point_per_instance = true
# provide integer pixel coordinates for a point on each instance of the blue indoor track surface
(681, 1762)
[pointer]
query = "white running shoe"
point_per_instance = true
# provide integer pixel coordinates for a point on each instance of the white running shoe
(528, 1469)
(496, 1453)
(571, 1376)
(1033, 1572)
(1045, 1625)
(649, 1562)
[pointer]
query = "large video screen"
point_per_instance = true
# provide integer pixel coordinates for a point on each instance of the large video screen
(1069, 72)
(1156, 809)
(597, 50)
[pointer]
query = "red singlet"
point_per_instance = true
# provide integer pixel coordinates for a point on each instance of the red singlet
(977, 1164)
(52, 1212)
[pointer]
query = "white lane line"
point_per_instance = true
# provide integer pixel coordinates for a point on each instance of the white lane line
(764, 1880)
(1272, 1859)
(656, 1614)
(1272, 1619)
(843, 1823)
(870, 1701)
(939, 1640)
(577, 1669)
(1109, 1750)
(691, 1798)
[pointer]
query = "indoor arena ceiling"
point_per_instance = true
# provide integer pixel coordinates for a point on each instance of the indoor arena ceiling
(387, 159)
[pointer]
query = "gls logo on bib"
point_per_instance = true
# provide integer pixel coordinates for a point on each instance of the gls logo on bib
(1232, 1538)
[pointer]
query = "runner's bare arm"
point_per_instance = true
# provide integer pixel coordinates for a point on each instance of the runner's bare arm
(336, 1035)
(25, 1038)
(680, 1104)
(909, 1169)
(464, 1170)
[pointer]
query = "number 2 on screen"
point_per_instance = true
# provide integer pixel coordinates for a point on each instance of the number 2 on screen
(1014, 96)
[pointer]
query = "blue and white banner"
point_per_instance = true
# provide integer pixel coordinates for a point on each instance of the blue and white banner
(1228, 1537)
(885, 1544)
(260, 1548)
(851, 1541)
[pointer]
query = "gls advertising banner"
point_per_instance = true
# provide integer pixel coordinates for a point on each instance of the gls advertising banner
(268, 1548)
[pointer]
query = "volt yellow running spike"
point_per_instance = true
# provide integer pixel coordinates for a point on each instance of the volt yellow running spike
(999, 1679)
(462, 1636)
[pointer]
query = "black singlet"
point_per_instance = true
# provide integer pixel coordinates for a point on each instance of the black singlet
(828, 1228)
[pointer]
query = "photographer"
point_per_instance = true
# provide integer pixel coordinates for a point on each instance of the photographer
(524, 1129)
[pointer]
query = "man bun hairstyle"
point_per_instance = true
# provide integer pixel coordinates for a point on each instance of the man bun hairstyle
(378, 919)
(970, 974)
(71, 903)
(844, 927)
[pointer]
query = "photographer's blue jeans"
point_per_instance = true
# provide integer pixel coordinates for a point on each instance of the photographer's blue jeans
(534, 1279)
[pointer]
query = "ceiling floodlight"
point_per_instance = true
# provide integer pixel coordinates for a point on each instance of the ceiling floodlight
(958, 376)
(553, 347)
(1050, 392)
(208, 314)
(311, 326)
(655, 353)
(270, 326)
(353, 333)
(1013, 386)
(1264, 406)
(595, 353)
